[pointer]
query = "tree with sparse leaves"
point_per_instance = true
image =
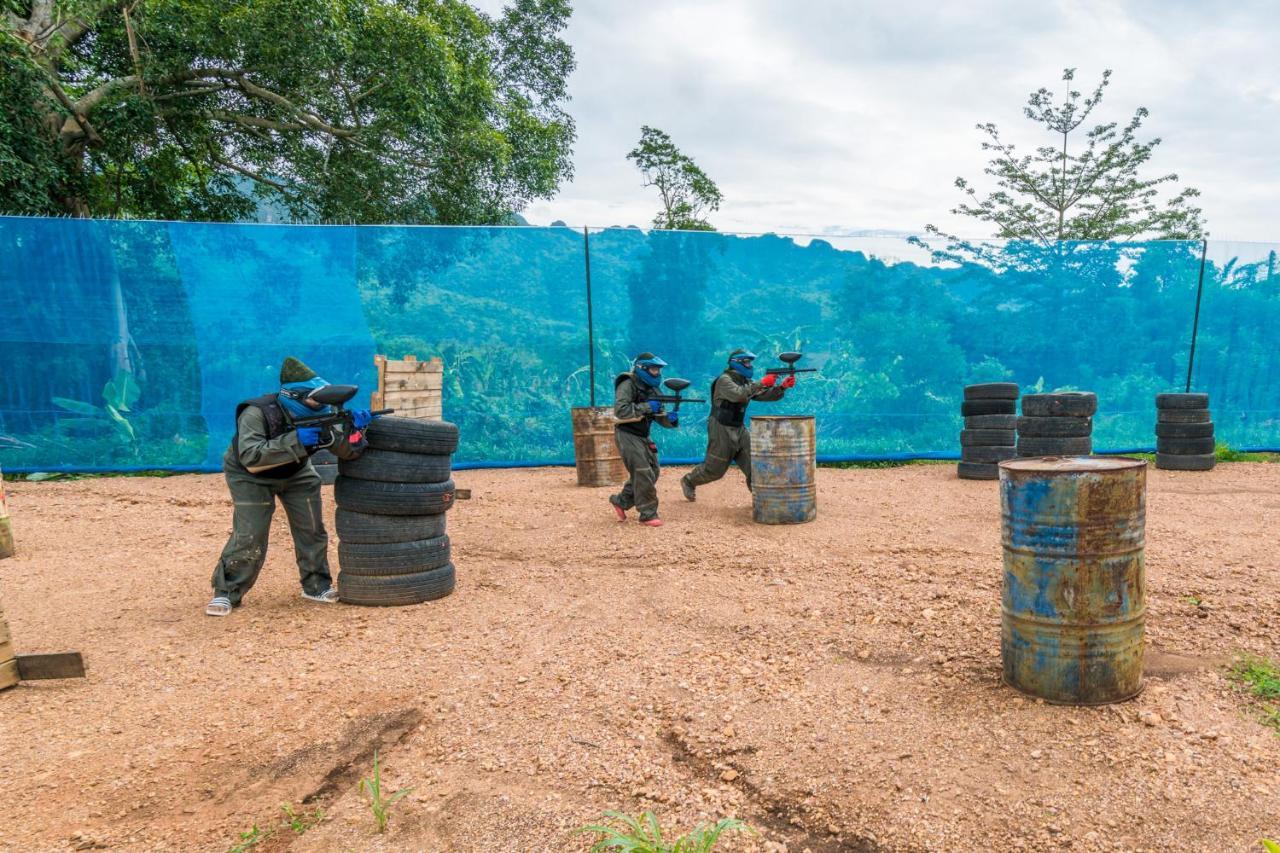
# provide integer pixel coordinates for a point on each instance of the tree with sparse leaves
(687, 193)
(1079, 189)
(365, 110)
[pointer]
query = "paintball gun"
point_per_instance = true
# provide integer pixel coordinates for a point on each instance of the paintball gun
(676, 385)
(336, 396)
(790, 359)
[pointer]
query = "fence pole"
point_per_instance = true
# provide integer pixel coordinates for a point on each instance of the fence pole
(591, 331)
(1195, 323)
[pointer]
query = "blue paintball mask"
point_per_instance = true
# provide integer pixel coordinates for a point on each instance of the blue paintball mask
(293, 393)
(640, 368)
(740, 362)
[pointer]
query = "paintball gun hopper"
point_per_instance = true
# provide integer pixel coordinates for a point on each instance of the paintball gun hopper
(790, 359)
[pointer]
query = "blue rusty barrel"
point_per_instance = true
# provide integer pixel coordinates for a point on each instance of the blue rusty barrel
(783, 486)
(1074, 606)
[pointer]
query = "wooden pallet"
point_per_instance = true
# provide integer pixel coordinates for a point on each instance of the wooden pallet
(415, 389)
(15, 667)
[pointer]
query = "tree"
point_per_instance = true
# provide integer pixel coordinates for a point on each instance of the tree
(370, 111)
(687, 193)
(1094, 192)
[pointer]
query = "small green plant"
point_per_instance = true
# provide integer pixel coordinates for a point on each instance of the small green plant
(1194, 600)
(379, 804)
(1269, 846)
(643, 834)
(251, 838)
(1262, 677)
(300, 822)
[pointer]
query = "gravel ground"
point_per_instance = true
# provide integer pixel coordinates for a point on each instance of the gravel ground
(834, 684)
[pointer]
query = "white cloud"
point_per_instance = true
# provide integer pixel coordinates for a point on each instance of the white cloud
(828, 115)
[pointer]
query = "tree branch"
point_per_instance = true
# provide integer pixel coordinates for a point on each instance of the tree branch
(249, 173)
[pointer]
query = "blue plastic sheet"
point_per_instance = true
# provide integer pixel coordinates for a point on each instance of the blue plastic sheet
(126, 345)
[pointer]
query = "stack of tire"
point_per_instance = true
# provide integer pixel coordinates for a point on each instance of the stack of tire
(1057, 424)
(392, 545)
(1184, 432)
(990, 418)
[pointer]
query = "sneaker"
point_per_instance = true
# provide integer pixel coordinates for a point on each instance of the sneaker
(219, 606)
(329, 596)
(617, 510)
(687, 488)
(651, 522)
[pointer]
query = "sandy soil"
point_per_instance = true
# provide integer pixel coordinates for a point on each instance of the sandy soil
(834, 684)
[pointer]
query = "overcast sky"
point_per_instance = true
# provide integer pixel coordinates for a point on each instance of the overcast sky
(819, 116)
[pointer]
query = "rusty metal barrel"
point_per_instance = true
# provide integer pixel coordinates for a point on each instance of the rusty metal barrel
(595, 452)
(784, 489)
(1074, 606)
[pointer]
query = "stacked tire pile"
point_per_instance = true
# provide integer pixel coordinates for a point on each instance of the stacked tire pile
(1057, 424)
(990, 417)
(392, 545)
(1184, 432)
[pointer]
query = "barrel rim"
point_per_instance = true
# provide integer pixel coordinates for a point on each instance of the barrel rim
(1070, 465)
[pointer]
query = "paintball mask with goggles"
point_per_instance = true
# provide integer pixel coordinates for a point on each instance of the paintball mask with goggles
(740, 362)
(648, 368)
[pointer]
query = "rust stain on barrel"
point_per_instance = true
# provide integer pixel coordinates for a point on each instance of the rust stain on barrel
(1074, 607)
(595, 451)
(783, 484)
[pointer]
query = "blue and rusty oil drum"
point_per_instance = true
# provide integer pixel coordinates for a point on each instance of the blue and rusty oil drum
(1074, 606)
(784, 489)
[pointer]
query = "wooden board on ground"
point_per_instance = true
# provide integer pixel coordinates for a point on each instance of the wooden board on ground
(462, 494)
(415, 389)
(6, 526)
(59, 665)
(8, 674)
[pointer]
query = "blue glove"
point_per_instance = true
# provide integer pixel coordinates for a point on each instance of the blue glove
(361, 418)
(309, 436)
(673, 418)
(655, 406)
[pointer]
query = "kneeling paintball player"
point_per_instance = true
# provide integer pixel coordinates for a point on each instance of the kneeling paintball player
(728, 439)
(636, 413)
(269, 457)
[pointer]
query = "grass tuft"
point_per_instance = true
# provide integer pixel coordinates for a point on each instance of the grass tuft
(379, 803)
(1262, 678)
(643, 834)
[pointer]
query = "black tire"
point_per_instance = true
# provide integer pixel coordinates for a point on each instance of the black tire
(393, 498)
(1204, 430)
(395, 590)
(400, 558)
(1183, 416)
(989, 407)
(1185, 446)
(1182, 401)
(988, 438)
(1031, 445)
(992, 391)
(988, 455)
(1179, 462)
(991, 422)
(1072, 404)
(394, 466)
(358, 528)
(1055, 427)
(977, 471)
(410, 435)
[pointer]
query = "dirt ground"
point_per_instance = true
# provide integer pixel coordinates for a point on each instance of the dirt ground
(835, 684)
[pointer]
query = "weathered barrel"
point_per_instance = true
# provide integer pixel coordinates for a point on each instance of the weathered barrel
(783, 485)
(1074, 605)
(595, 452)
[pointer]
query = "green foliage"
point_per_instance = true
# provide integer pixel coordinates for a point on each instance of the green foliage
(296, 821)
(334, 109)
(1269, 846)
(379, 803)
(249, 839)
(119, 394)
(1262, 678)
(687, 193)
(644, 835)
(1225, 453)
(299, 822)
(1093, 191)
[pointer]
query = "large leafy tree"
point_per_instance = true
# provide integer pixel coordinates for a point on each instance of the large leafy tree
(686, 191)
(365, 110)
(1087, 183)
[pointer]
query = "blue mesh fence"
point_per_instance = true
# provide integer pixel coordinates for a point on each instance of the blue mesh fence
(126, 345)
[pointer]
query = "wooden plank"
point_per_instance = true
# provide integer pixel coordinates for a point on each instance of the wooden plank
(41, 667)
(414, 382)
(435, 365)
(8, 674)
(462, 494)
(6, 650)
(380, 362)
(6, 525)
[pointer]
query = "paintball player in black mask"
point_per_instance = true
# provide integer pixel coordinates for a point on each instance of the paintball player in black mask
(635, 414)
(728, 438)
(270, 458)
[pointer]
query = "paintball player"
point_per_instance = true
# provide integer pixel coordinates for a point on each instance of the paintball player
(728, 439)
(270, 458)
(635, 414)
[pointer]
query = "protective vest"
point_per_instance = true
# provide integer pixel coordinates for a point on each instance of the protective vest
(640, 427)
(727, 413)
(277, 425)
